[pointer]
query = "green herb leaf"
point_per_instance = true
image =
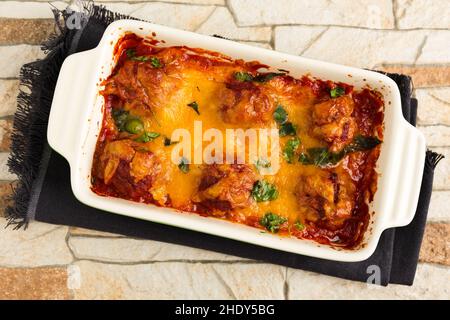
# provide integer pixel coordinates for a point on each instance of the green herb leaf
(300, 226)
(140, 58)
(272, 222)
(156, 63)
(322, 157)
(290, 148)
(361, 143)
(131, 53)
(184, 165)
(264, 191)
(243, 76)
(280, 115)
(134, 125)
(287, 129)
(337, 92)
(263, 77)
(168, 142)
(147, 136)
(194, 105)
(262, 163)
(120, 117)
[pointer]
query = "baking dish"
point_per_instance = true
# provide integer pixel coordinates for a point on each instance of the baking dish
(76, 114)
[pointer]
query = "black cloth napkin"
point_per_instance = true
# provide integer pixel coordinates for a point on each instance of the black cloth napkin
(44, 192)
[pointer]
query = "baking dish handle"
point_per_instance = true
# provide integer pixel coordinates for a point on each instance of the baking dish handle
(72, 92)
(408, 176)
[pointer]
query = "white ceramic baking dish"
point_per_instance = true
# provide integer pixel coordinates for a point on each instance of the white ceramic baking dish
(76, 115)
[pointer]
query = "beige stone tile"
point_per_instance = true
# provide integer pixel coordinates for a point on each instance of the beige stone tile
(423, 14)
(29, 9)
(40, 245)
(9, 89)
(172, 280)
(439, 206)
(436, 136)
(304, 37)
(221, 22)
(25, 31)
(33, 284)
(126, 250)
(434, 106)
(423, 75)
(338, 45)
(182, 16)
(369, 13)
(206, 2)
(436, 48)
(75, 231)
(13, 57)
(431, 282)
(4, 170)
(442, 172)
(436, 244)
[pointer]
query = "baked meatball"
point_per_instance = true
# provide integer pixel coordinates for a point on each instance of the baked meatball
(226, 187)
(245, 102)
(333, 122)
(129, 171)
(326, 196)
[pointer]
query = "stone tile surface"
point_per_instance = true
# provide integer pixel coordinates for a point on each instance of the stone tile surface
(5, 134)
(25, 31)
(34, 284)
(369, 13)
(423, 14)
(6, 190)
(423, 75)
(439, 204)
(431, 283)
(4, 170)
(13, 57)
(338, 45)
(222, 17)
(9, 89)
(123, 250)
(436, 244)
(182, 16)
(192, 281)
(40, 245)
(434, 106)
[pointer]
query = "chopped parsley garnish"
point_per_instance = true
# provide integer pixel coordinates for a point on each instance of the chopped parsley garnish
(194, 105)
(261, 77)
(280, 115)
(287, 129)
(184, 165)
(243, 76)
(300, 226)
(290, 148)
(120, 117)
(272, 222)
(322, 157)
(131, 54)
(147, 136)
(262, 163)
(168, 142)
(337, 92)
(156, 63)
(264, 191)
